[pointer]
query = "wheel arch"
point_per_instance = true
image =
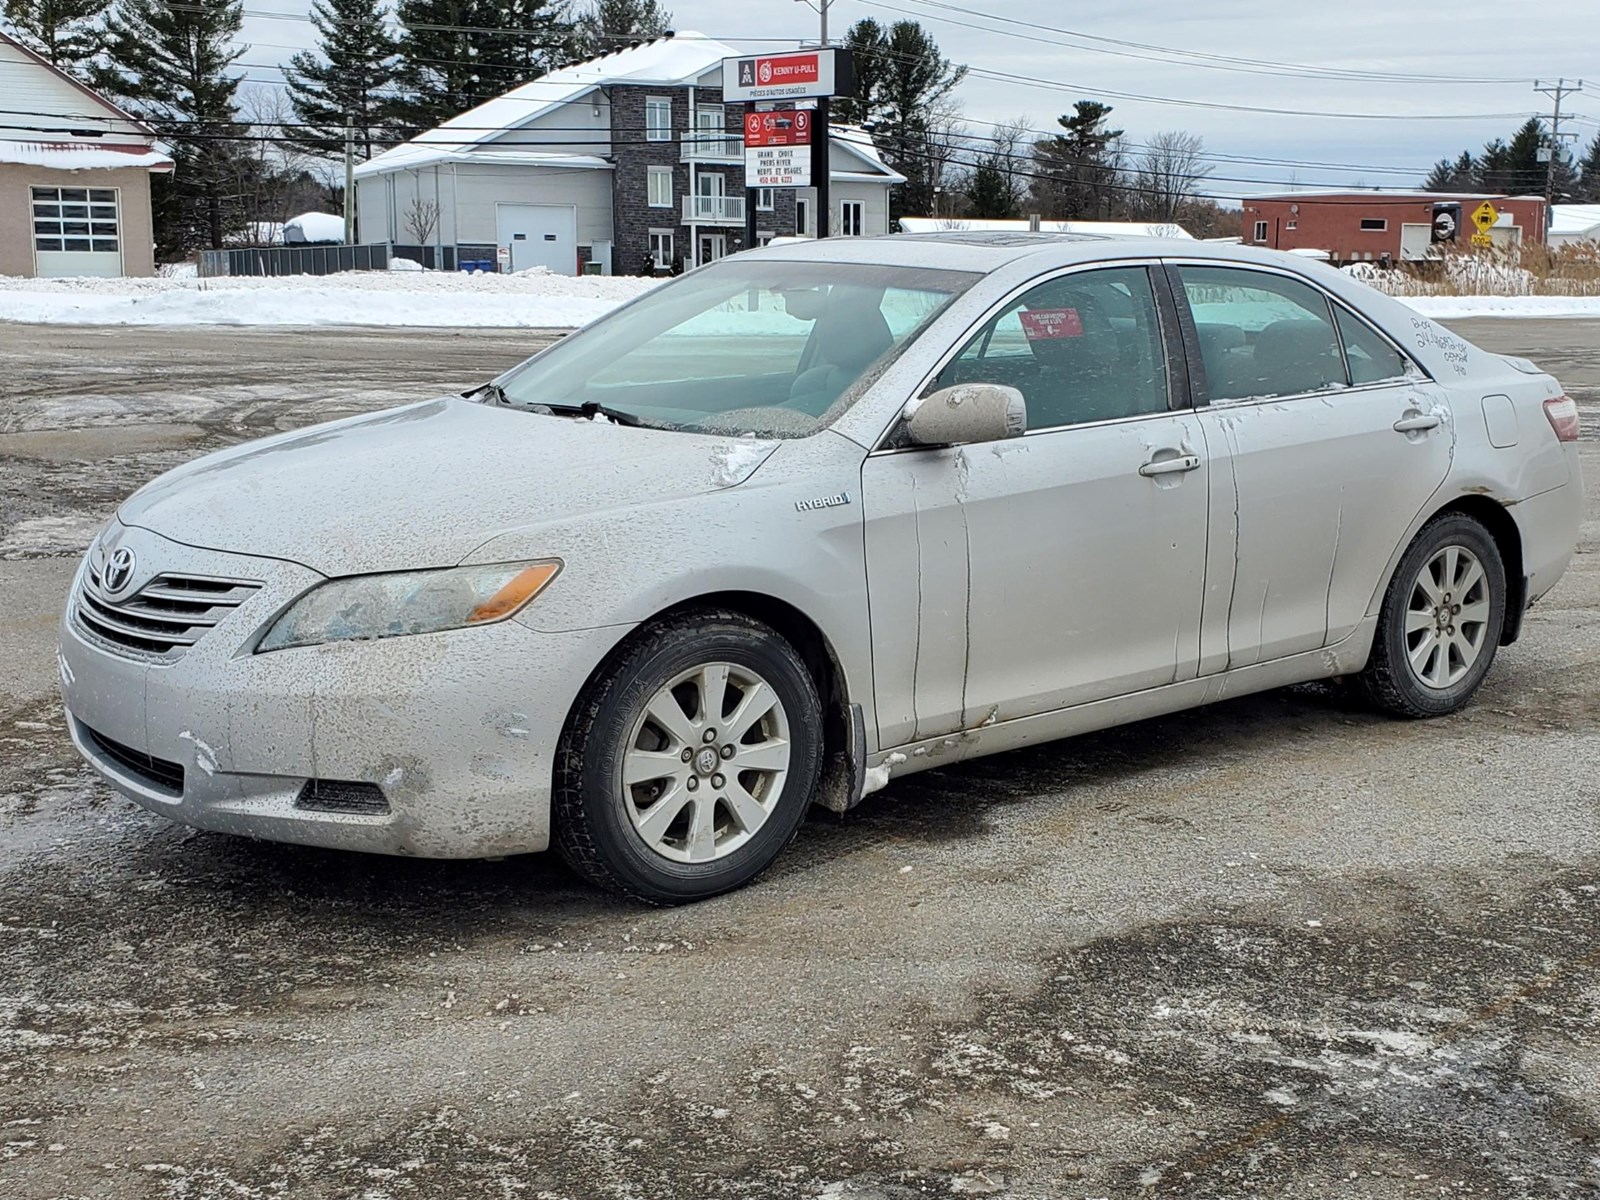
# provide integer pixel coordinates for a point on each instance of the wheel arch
(843, 728)
(1502, 527)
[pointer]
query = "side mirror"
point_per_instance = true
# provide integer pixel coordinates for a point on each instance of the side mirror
(966, 414)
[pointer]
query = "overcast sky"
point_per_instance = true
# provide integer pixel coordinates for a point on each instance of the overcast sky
(1465, 39)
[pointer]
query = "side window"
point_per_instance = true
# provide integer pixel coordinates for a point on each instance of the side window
(1084, 347)
(1262, 335)
(1371, 358)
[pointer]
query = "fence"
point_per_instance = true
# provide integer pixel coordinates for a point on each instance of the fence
(294, 260)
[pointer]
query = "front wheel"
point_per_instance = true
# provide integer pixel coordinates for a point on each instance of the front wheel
(1441, 621)
(690, 761)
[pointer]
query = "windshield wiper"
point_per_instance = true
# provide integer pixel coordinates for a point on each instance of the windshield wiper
(592, 409)
(496, 394)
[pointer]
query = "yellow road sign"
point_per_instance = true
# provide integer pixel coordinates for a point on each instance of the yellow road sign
(1482, 239)
(1484, 216)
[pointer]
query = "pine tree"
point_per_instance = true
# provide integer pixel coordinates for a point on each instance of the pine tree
(351, 72)
(456, 54)
(868, 44)
(1524, 175)
(1075, 172)
(170, 63)
(610, 24)
(989, 194)
(1458, 176)
(1588, 189)
(67, 32)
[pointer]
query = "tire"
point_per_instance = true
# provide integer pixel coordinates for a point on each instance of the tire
(632, 815)
(1429, 657)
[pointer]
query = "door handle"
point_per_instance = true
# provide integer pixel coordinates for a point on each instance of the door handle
(1418, 423)
(1170, 466)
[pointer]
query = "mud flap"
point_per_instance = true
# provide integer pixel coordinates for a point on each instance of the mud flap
(844, 775)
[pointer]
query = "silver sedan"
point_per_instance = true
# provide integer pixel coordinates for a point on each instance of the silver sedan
(807, 520)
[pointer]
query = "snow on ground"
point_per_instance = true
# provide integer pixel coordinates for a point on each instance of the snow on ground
(530, 299)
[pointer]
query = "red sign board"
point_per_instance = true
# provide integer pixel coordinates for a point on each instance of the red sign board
(786, 76)
(789, 127)
(1051, 324)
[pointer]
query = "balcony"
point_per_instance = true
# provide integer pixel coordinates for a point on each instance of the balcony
(709, 147)
(713, 210)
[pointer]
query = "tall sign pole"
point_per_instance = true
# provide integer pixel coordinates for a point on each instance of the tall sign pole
(821, 168)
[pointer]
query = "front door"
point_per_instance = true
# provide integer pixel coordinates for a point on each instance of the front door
(1336, 442)
(712, 247)
(1059, 568)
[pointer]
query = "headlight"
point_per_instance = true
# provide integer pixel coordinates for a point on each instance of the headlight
(380, 606)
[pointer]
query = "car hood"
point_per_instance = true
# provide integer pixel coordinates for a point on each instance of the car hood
(421, 486)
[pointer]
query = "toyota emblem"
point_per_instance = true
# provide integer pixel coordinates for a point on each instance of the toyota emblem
(119, 569)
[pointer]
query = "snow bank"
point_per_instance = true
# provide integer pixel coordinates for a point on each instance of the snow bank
(530, 299)
(1451, 307)
(533, 299)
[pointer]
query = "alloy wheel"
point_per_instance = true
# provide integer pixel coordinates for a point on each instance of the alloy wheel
(1447, 617)
(705, 762)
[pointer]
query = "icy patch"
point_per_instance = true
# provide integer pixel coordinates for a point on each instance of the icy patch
(204, 756)
(734, 461)
(1281, 1096)
(877, 778)
(46, 537)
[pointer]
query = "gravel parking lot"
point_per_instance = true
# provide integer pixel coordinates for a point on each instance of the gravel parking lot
(1280, 946)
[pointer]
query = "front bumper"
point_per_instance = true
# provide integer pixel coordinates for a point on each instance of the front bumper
(457, 730)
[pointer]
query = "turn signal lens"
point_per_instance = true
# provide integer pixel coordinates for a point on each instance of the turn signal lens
(1562, 412)
(523, 586)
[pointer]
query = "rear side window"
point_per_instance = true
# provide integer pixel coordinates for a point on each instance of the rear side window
(1371, 358)
(1080, 348)
(1262, 335)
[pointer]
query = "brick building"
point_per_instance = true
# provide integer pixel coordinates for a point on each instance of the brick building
(630, 161)
(1379, 226)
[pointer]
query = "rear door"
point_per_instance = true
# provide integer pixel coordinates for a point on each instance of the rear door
(1336, 441)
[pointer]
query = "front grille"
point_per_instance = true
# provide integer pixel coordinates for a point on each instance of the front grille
(155, 773)
(163, 618)
(339, 796)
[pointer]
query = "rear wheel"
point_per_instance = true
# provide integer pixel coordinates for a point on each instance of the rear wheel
(1441, 621)
(690, 761)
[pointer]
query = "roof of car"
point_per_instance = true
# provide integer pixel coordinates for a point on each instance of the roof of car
(969, 250)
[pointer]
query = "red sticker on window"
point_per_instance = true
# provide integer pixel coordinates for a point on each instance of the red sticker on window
(1051, 324)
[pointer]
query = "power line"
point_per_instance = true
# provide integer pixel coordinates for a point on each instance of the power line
(1182, 57)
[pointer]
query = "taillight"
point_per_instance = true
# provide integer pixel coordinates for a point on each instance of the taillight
(1563, 416)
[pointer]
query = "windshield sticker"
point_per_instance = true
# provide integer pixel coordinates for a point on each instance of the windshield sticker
(1051, 324)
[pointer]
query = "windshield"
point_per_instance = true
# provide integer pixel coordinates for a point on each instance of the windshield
(770, 348)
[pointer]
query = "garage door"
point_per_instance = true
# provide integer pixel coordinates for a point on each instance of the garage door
(76, 231)
(540, 235)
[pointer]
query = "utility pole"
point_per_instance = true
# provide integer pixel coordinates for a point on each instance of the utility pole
(1558, 90)
(821, 166)
(349, 180)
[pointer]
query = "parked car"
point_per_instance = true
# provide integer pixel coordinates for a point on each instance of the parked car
(806, 520)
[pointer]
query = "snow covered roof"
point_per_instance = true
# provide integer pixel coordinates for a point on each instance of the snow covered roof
(1575, 220)
(410, 156)
(1103, 228)
(859, 143)
(83, 155)
(667, 61)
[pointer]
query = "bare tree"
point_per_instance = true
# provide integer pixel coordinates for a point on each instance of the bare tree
(1012, 156)
(1167, 173)
(422, 218)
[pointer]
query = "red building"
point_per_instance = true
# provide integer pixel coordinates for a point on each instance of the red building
(1379, 226)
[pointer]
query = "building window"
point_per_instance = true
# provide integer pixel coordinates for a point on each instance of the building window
(75, 219)
(1261, 231)
(661, 248)
(802, 217)
(851, 218)
(658, 119)
(1291, 225)
(764, 236)
(764, 200)
(1374, 224)
(660, 187)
